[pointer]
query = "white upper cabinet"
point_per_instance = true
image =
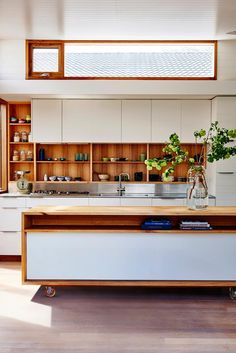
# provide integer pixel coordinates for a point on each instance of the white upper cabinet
(136, 120)
(196, 115)
(46, 120)
(166, 119)
(224, 111)
(91, 121)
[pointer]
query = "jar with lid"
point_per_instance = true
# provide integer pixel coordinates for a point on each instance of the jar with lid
(16, 156)
(16, 137)
(29, 155)
(24, 136)
(22, 155)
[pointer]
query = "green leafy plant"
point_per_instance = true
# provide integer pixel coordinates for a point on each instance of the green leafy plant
(216, 140)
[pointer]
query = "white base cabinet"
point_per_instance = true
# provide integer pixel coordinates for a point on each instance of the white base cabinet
(11, 209)
(10, 243)
(130, 256)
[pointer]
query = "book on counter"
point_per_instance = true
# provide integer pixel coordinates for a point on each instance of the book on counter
(195, 225)
(156, 224)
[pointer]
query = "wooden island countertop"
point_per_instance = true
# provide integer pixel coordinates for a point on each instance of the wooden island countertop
(132, 211)
(93, 245)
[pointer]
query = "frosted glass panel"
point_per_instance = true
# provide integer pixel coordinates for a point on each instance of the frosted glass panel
(45, 60)
(168, 60)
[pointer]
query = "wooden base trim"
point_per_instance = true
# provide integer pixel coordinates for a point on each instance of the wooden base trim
(8, 258)
(132, 283)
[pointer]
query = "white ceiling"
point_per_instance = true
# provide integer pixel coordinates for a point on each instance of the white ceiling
(117, 19)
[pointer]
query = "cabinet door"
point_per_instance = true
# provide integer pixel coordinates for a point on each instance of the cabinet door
(223, 110)
(91, 121)
(166, 119)
(136, 121)
(196, 115)
(46, 120)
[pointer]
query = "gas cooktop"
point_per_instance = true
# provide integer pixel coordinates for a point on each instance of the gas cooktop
(42, 193)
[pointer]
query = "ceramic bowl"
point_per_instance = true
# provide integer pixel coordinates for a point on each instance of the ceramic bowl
(60, 178)
(103, 177)
(53, 178)
(113, 159)
(105, 159)
(68, 178)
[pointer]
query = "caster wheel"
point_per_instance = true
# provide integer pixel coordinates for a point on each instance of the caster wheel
(50, 292)
(232, 293)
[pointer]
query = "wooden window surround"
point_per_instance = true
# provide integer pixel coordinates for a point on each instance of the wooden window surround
(31, 45)
(62, 72)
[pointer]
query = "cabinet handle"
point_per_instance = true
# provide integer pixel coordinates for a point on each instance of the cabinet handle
(8, 231)
(10, 208)
(225, 172)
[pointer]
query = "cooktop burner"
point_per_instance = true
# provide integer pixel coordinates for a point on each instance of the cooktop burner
(56, 193)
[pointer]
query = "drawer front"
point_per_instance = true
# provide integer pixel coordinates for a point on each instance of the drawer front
(168, 202)
(57, 201)
(136, 202)
(100, 201)
(18, 202)
(10, 243)
(226, 179)
(10, 219)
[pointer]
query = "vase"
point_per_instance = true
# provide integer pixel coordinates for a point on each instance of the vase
(197, 191)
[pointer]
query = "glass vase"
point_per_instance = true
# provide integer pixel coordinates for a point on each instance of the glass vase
(197, 191)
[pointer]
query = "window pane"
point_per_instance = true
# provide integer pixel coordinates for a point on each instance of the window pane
(127, 60)
(45, 60)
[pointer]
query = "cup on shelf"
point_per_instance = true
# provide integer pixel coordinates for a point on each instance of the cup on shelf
(142, 157)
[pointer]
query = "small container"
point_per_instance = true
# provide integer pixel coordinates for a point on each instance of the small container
(86, 156)
(41, 154)
(22, 155)
(29, 137)
(142, 157)
(45, 177)
(28, 119)
(29, 155)
(16, 137)
(24, 136)
(16, 156)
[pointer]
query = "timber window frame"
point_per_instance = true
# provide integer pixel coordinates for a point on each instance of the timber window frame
(62, 45)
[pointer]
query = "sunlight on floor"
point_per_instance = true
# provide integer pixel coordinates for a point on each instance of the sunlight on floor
(17, 304)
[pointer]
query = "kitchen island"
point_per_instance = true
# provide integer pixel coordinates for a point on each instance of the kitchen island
(106, 246)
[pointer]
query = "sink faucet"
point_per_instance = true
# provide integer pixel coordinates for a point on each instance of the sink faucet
(121, 189)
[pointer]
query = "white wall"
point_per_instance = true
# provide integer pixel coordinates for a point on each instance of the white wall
(12, 79)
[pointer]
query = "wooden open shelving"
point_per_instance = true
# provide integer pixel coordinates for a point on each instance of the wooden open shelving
(87, 170)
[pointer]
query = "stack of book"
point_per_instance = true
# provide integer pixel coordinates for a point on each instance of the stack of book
(195, 225)
(156, 224)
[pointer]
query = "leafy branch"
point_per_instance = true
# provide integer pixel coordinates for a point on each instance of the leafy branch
(216, 139)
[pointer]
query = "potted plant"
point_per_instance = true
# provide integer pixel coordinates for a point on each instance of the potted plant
(216, 142)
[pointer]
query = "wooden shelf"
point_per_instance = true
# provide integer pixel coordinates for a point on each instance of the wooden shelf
(21, 161)
(118, 162)
(62, 182)
(21, 143)
(22, 124)
(64, 162)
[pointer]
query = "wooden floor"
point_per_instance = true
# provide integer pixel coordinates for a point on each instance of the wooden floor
(113, 320)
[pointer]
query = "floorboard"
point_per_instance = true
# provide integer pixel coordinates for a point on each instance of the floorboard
(114, 320)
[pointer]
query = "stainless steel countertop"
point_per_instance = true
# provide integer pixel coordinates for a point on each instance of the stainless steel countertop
(105, 195)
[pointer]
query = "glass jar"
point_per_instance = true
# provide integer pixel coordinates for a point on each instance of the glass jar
(29, 155)
(16, 156)
(197, 191)
(24, 136)
(16, 137)
(22, 155)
